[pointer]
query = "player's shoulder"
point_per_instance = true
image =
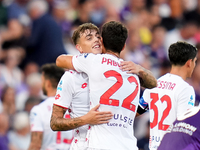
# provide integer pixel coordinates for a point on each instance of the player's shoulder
(86, 55)
(72, 75)
(189, 113)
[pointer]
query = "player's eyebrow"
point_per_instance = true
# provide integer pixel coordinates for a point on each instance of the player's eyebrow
(97, 34)
(88, 35)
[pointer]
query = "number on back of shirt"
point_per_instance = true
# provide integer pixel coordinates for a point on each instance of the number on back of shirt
(155, 98)
(105, 98)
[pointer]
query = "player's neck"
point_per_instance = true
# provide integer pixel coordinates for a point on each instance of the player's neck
(51, 93)
(112, 53)
(180, 71)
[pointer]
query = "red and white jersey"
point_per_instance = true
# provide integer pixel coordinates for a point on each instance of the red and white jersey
(171, 98)
(73, 94)
(40, 117)
(117, 92)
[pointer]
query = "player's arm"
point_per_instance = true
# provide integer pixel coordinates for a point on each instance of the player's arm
(36, 141)
(65, 61)
(147, 78)
(58, 123)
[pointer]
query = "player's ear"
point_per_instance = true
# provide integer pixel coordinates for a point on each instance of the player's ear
(189, 63)
(79, 48)
(48, 83)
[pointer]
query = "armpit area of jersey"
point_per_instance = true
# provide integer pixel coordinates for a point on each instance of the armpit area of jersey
(141, 110)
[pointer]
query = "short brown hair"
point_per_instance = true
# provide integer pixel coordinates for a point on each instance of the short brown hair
(81, 29)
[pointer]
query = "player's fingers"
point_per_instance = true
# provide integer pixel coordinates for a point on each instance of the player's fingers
(96, 107)
(105, 119)
(104, 113)
(124, 63)
(102, 122)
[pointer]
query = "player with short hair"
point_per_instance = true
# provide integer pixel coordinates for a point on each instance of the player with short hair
(184, 133)
(115, 90)
(42, 137)
(73, 82)
(73, 93)
(173, 96)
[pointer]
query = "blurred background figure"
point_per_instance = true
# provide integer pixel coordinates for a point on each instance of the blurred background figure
(45, 42)
(185, 32)
(17, 22)
(19, 137)
(30, 102)
(4, 126)
(8, 98)
(85, 7)
(10, 73)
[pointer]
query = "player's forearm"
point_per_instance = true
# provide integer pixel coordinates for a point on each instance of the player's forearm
(34, 146)
(64, 124)
(58, 123)
(36, 141)
(64, 61)
(148, 79)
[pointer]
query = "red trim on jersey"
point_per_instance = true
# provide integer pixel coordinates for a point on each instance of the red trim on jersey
(68, 141)
(61, 106)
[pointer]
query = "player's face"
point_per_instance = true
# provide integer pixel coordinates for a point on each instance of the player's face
(90, 42)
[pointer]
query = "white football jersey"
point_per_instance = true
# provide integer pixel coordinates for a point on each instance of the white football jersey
(117, 92)
(170, 99)
(40, 117)
(73, 94)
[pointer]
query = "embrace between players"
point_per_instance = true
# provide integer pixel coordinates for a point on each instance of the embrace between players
(102, 95)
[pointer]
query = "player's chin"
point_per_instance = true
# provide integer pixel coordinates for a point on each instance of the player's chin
(97, 51)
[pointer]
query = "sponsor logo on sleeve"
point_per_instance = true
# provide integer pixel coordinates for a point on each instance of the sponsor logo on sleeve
(57, 96)
(59, 88)
(191, 102)
(84, 85)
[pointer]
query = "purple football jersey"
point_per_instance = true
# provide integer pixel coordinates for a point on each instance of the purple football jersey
(185, 134)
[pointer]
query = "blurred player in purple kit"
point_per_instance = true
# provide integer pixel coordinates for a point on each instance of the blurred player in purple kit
(173, 96)
(87, 40)
(184, 133)
(115, 90)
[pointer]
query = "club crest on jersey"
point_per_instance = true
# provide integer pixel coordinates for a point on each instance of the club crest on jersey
(84, 85)
(60, 86)
(57, 96)
(191, 102)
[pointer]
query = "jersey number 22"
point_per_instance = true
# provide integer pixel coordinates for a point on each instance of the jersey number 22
(105, 98)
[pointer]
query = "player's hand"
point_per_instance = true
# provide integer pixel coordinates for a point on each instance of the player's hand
(94, 117)
(130, 67)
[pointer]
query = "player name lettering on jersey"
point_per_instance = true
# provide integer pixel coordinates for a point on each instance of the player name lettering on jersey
(109, 62)
(165, 85)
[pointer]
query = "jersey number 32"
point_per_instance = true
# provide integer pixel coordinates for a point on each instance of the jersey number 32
(155, 98)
